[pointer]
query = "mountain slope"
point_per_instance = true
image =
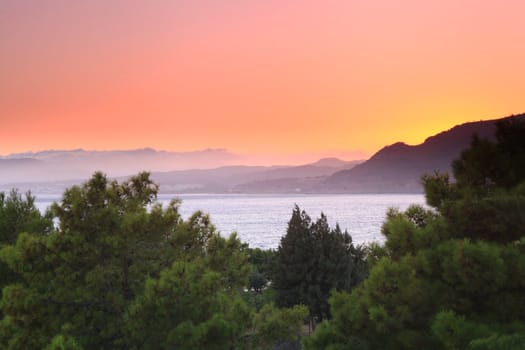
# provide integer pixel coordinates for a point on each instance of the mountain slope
(398, 168)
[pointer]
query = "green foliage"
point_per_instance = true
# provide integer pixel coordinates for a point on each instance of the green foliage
(451, 277)
(62, 342)
(455, 332)
(499, 342)
(407, 232)
(396, 305)
(257, 281)
(487, 201)
(115, 247)
(275, 326)
(263, 262)
(327, 337)
(479, 166)
(18, 215)
(487, 165)
(438, 189)
(257, 299)
(313, 259)
(187, 307)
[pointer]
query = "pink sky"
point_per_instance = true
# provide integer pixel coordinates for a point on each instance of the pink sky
(258, 77)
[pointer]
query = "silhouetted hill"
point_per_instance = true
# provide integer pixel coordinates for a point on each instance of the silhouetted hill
(398, 168)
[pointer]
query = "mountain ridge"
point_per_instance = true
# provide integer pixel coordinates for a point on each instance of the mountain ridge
(398, 167)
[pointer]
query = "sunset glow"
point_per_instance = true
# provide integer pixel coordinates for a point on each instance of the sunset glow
(255, 77)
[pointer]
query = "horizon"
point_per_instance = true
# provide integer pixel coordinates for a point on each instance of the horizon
(255, 78)
(254, 159)
(265, 160)
(79, 163)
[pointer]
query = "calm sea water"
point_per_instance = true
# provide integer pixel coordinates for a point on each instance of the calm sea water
(261, 220)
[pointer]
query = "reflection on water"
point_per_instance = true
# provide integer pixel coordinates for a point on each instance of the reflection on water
(261, 220)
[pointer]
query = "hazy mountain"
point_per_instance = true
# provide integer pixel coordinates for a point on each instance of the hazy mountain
(335, 163)
(281, 185)
(322, 167)
(302, 179)
(80, 164)
(253, 179)
(221, 179)
(53, 171)
(15, 169)
(398, 167)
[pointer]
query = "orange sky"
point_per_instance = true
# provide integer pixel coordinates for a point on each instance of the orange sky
(259, 77)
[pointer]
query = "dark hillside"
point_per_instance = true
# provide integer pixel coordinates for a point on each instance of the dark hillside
(398, 167)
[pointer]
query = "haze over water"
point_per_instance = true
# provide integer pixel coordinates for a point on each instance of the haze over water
(261, 220)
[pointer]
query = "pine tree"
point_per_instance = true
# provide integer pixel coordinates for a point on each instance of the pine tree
(312, 259)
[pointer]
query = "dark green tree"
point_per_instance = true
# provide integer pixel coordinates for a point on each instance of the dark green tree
(488, 165)
(17, 215)
(263, 262)
(259, 289)
(312, 259)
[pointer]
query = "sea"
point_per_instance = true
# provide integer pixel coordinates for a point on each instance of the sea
(261, 220)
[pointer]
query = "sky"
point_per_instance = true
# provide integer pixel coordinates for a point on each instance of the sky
(272, 77)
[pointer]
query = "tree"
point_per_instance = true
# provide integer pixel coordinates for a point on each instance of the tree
(313, 259)
(80, 279)
(276, 327)
(487, 165)
(18, 215)
(62, 342)
(451, 277)
(259, 291)
(187, 307)
(263, 264)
